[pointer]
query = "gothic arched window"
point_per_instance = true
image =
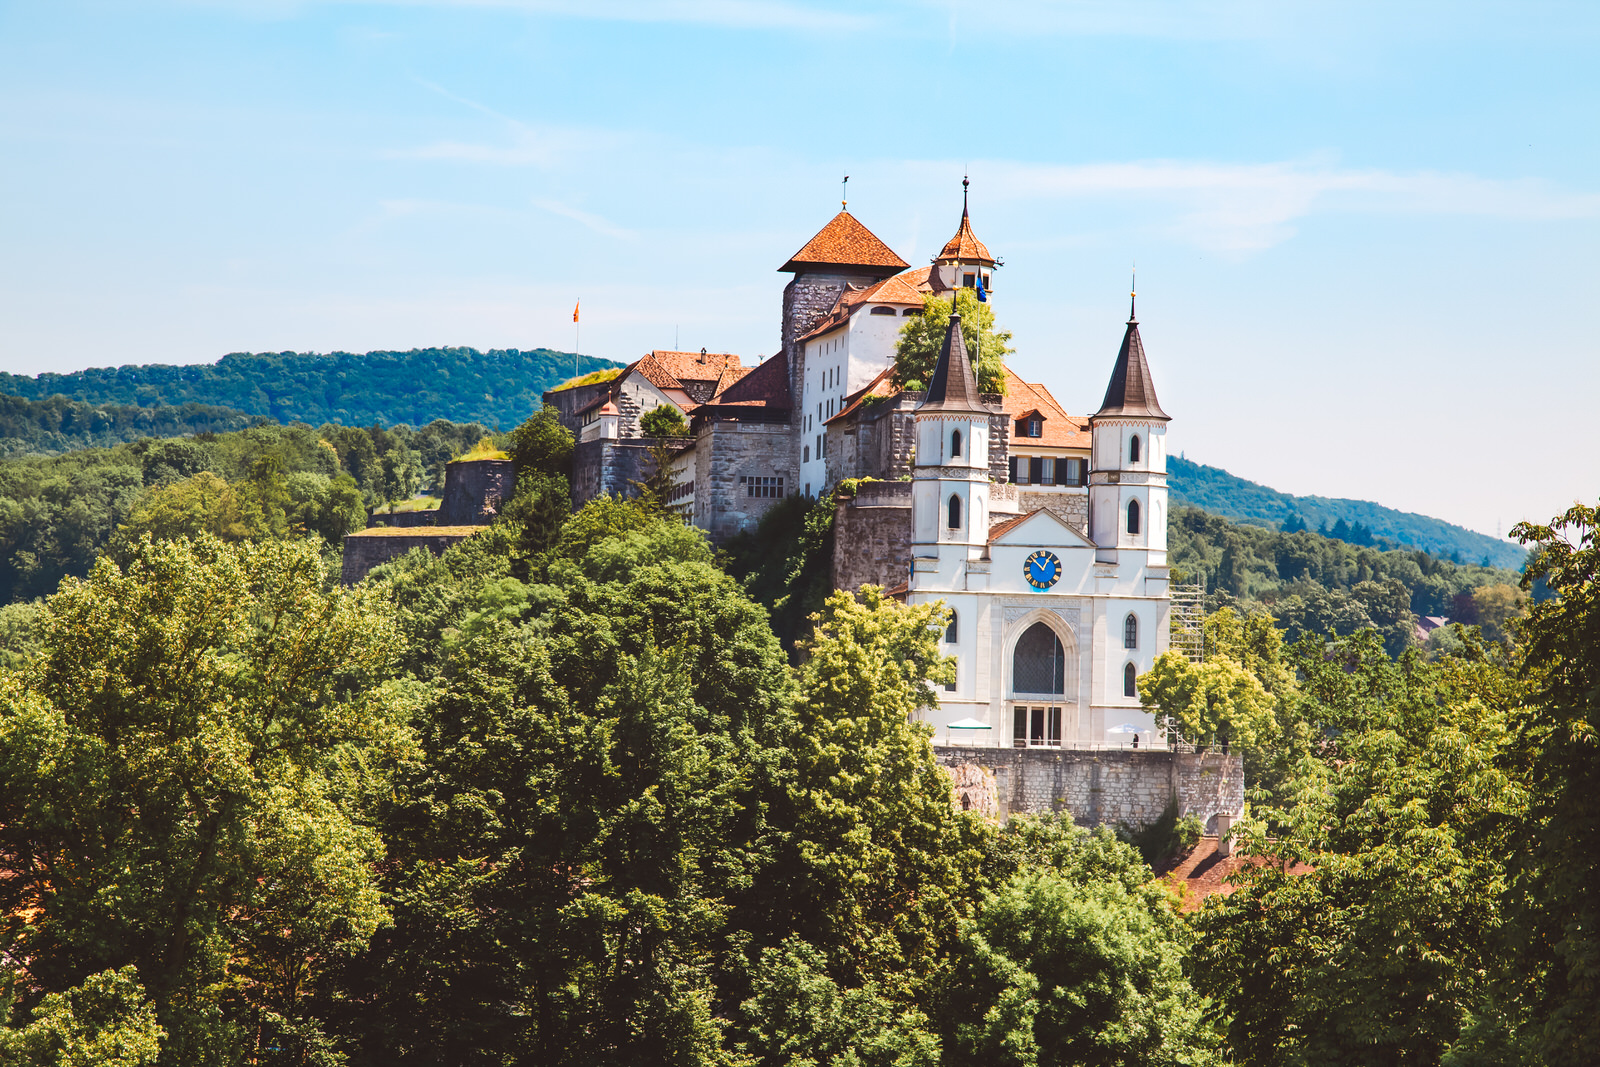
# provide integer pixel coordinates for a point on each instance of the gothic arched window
(955, 444)
(1130, 681)
(1038, 664)
(1130, 631)
(1133, 516)
(1133, 449)
(950, 630)
(955, 512)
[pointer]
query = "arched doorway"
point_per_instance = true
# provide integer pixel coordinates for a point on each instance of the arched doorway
(1040, 677)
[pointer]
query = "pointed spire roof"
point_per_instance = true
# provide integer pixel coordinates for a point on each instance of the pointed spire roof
(953, 386)
(844, 242)
(1132, 392)
(965, 246)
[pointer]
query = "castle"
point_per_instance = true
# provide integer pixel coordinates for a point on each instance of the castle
(1043, 532)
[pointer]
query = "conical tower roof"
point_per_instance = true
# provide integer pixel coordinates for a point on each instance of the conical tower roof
(845, 242)
(953, 386)
(1131, 392)
(965, 246)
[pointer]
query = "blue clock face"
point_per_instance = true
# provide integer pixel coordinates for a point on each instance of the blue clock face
(1042, 569)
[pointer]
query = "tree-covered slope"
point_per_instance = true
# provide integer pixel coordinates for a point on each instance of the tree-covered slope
(56, 424)
(1215, 490)
(498, 388)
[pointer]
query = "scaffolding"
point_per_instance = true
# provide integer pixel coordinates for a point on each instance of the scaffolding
(1188, 621)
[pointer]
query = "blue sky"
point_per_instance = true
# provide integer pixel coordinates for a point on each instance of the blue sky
(1365, 232)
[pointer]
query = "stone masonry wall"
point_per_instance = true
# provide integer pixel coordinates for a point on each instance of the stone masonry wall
(806, 300)
(1074, 507)
(748, 449)
(872, 537)
(365, 549)
(474, 490)
(1103, 786)
(613, 466)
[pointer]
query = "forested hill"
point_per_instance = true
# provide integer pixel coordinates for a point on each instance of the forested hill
(56, 424)
(498, 388)
(1215, 490)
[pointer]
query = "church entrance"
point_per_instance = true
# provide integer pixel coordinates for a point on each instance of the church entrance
(1038, 677)
(1033, 727)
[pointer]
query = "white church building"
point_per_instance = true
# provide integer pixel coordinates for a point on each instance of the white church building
(1050, 624)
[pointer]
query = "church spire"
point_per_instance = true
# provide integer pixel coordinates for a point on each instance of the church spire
(965, 247)
(953, 386)
(1131, 391)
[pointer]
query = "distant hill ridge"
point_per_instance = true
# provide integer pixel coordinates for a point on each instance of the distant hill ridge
(498, 388)
(1215, 490)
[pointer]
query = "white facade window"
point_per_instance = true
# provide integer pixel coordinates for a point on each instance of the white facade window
(1130, 631)
(1130, 681)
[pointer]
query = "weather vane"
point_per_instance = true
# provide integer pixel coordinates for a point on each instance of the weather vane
(844, 192)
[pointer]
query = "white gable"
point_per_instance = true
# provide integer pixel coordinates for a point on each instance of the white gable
(1042, 529)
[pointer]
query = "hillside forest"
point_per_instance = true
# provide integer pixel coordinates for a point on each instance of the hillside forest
(59, 513)
(496, 388)
(563, 796)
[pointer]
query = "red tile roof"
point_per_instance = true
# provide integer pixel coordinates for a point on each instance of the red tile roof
(1203, 873)
(844, 242)
(965, 246)
(695, 366)
(1059, 430)
(1001, 529)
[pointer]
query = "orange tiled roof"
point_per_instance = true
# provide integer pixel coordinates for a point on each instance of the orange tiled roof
(1060, 430)
(1002, 528)
(695, 366)
(844, 242)
(965, 246)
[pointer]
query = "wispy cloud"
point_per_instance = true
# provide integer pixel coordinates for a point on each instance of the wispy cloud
(524, 144)
(1249, 206)
(735, 14)
(584, 218)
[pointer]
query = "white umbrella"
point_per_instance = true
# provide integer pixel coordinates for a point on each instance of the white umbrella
(966, 724)
(1125, 728)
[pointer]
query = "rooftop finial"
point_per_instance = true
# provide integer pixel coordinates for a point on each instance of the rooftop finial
(963, 196)
(1133, 295)
(844, 193)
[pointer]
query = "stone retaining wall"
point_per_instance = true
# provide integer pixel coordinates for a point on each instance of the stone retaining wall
(365, 549)
(474, 489)
(1097, 787)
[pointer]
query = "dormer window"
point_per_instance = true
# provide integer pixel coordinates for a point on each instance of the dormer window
(1030, 426)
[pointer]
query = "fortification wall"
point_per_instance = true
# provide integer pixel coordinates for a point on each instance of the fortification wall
(1112, 787)
(474, 490)
(365, 549)
(428, 517)
(872, 536)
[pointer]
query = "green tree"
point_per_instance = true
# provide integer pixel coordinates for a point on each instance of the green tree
(923, 336)
(1556, 737)
(1206, 703)
(104, 1022)
(541, 444)
(1062, 969)
(880, 864)
(200, 505)
(182, 774)
(588, 811)
(799, 1014)
(1383, 950)
(663, 420)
